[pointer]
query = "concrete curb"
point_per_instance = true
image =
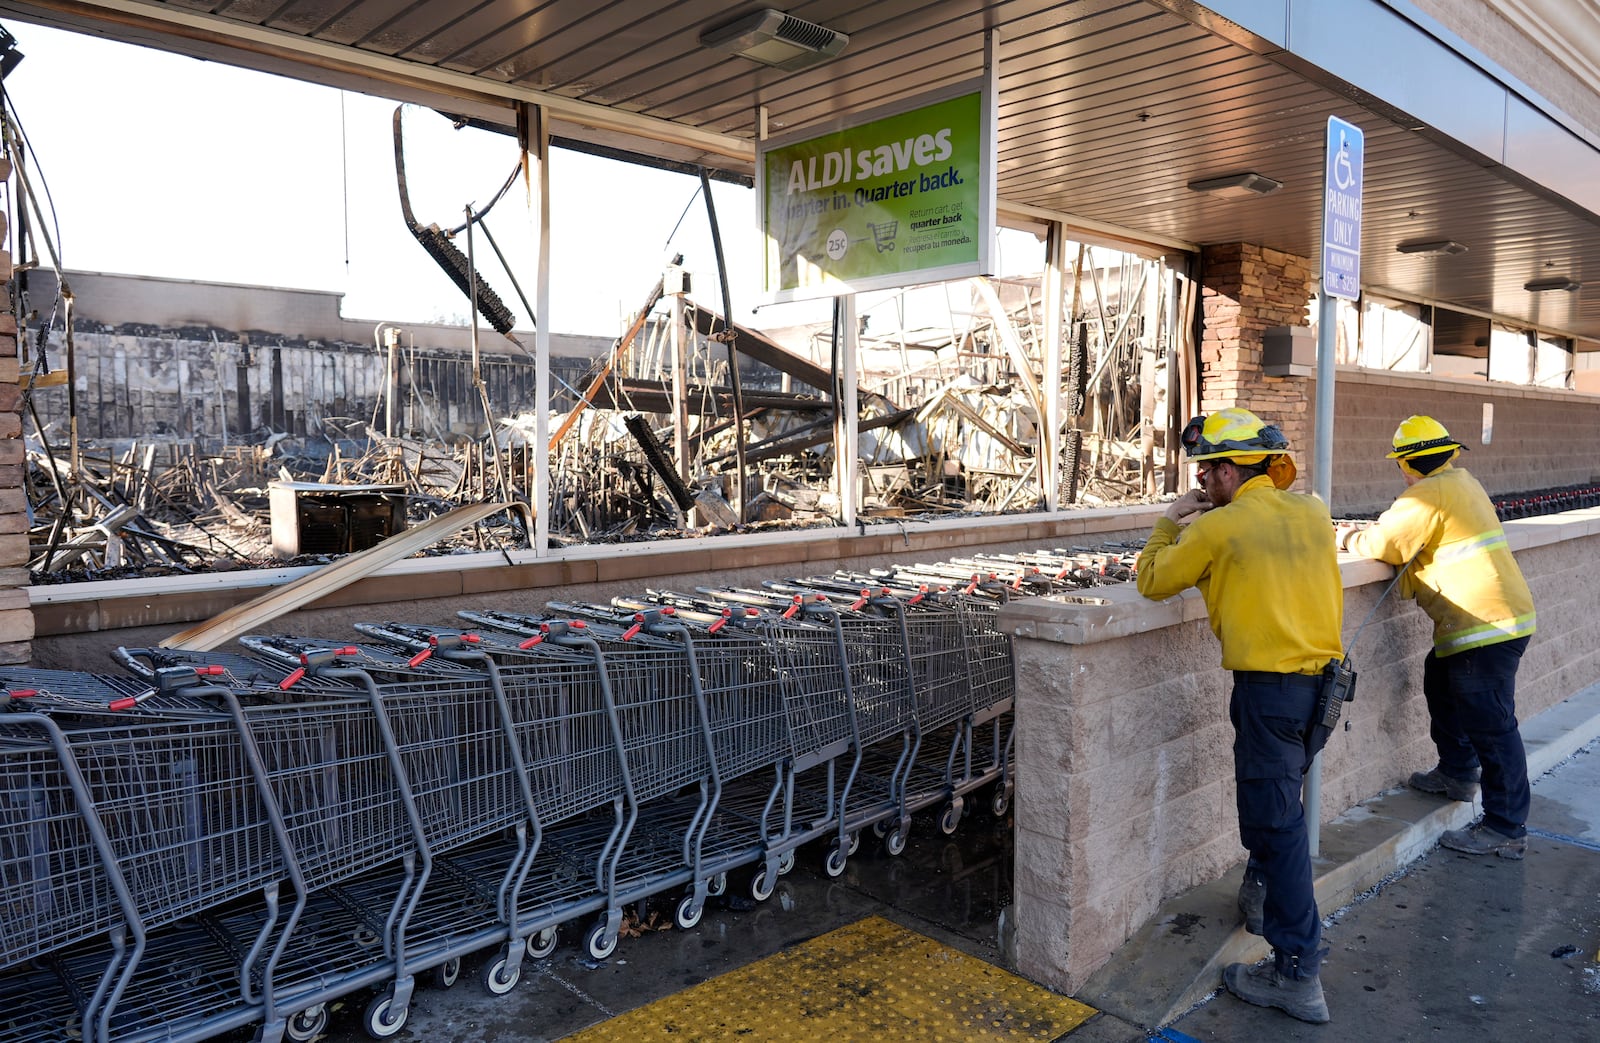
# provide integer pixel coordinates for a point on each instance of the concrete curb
(1176, 959)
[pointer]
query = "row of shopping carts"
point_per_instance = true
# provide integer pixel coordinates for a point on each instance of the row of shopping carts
(212, 842)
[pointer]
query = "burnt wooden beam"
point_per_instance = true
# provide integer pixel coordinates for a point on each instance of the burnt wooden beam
(650, 396)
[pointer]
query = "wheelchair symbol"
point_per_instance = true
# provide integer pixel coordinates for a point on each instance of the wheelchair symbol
(1344, 174)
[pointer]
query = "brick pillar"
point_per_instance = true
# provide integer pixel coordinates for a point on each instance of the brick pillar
(1245, 290)
(16, 617)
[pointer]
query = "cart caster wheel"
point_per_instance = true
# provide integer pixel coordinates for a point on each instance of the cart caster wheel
(834, 864)
(307, 1025)
(880, 828)
(717, 886)
(1001, 801)
(761, 885)
(542, 943)
(894, 841)
(786, 863)
(498, 979)
(950, 819)
(382, 1020)
(855, 843)
(687, 915)
(597, 945)
(447, 973)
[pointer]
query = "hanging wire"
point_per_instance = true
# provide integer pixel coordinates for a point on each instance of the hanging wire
(679, 224)
(344, 180)
(15, 121)
(473, 218)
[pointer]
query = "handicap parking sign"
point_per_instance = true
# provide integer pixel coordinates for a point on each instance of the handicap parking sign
(1341, 210)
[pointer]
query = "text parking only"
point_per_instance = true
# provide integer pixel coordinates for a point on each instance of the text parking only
(1341, 211)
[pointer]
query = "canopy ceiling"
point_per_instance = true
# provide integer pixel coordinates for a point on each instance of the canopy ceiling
(1108, 108)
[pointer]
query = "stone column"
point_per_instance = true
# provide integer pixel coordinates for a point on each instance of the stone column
(16, 617)
(1247, 289)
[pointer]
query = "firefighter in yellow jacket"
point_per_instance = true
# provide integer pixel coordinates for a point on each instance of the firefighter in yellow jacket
(1264, 560)
(1465, 578)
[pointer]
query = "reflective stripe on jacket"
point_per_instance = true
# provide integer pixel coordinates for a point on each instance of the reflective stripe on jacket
(1268, 569)
(1465, 576)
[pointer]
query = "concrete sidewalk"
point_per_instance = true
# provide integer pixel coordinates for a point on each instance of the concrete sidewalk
(1175, 961)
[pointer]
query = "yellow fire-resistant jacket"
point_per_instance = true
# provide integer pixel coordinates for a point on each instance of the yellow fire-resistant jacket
(1268, 569)
(1465, 577)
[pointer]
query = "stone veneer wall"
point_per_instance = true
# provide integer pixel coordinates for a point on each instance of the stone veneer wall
(1124, 752)
(1247, 289)
(16, 617)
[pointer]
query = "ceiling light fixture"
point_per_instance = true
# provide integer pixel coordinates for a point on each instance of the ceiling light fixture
(1431, 246)
(776, 39)
(1559, 282)
(1236, 186)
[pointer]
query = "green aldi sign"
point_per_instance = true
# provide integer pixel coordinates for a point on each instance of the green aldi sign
(906, 197)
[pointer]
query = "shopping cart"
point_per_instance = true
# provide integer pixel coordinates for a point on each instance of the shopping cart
(237, 670)
(784, 673)
(991, 671)
(457, 771)
(748, 703)
(572, 747)
(1067, 568)
(178, 791)
(331, 767)
(937, 657)
(650, 689)
(58, 878)
(877, 656)
(33, 1004)
(331, 763)
(60, 882)
(850, 689)
(738, 687)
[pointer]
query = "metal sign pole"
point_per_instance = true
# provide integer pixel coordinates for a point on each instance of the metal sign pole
(1341, 278)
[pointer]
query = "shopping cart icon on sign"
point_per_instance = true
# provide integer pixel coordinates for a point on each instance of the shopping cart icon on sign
(883, 234)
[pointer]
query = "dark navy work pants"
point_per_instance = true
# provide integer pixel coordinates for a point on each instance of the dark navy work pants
(1472, 717)
(1274, 742)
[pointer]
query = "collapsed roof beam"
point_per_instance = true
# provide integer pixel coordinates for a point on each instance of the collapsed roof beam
(756, 346)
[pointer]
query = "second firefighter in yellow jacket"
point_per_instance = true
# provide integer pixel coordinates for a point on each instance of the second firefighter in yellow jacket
(1463, 575)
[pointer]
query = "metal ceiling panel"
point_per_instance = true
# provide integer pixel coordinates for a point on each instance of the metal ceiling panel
(1108, 109)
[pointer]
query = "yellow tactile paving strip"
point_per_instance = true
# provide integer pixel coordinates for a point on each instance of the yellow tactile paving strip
(871, 981)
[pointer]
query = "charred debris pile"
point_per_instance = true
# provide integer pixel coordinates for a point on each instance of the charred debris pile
(660, 437)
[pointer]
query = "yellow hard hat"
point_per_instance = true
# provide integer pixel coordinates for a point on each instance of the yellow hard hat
(1232, 434)
(1241, 436)
(1419, 436)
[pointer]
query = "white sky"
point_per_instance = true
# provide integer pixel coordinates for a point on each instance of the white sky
(169, 166)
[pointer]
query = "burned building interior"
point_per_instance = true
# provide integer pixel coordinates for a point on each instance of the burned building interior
(157, 450)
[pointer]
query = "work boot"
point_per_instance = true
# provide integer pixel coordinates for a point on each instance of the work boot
(1265, 987)
(1252, 899)
(1479, 839)
(1436, 781)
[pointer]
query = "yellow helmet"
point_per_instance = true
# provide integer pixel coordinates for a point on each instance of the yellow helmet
(1241, 436)
(1419, 436)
